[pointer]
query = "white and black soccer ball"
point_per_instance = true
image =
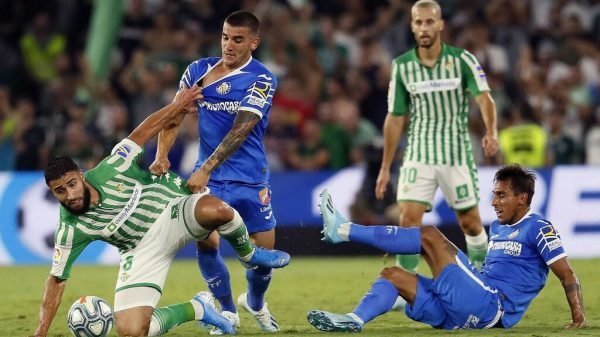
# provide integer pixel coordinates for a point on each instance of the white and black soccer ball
(90, 316)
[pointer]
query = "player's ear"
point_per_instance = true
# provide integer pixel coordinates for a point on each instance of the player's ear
(255, 43)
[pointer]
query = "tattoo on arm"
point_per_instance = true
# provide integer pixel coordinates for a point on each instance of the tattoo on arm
(242, 126)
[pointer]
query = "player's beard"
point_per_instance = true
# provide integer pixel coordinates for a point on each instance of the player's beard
(86, 203)
(432, 40)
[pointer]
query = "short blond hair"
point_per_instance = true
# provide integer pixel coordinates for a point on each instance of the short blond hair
(427, 4)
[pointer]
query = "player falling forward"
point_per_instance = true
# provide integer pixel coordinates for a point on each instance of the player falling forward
(522, 247)
(148, 218)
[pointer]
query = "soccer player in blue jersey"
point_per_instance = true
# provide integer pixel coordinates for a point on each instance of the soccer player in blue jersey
(522, 247)
(232, 120)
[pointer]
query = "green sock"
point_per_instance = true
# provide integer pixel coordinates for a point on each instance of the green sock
(166, 318)
(477, 254)
(236, 233)
(408, 262)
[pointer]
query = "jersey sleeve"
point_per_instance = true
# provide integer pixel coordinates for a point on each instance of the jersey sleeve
(259, 96)
(398, 96)
(123, 156)
(547, 241)
(473, 74)
(68, 245)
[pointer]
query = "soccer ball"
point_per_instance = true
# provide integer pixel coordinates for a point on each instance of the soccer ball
(90, 316)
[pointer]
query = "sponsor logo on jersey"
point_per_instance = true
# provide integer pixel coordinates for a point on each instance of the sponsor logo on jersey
(230, 107)
(259, 93)
(433, 86)
(125, 212)
(509, 247)
(548, 236)
(268, 78)
(57, 257)
(224, 88)
(264, 196)
(123, 150)
(514, 234)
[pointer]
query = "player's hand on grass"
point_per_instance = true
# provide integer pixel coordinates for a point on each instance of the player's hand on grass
(160, 166)
(382, 181)
(198, 180)
(576, 325)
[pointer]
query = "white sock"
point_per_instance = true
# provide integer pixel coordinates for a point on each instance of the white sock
(343, 231)
(154, 329)
(232, 225)
(478, 241)
(198, 310)
(356, 318)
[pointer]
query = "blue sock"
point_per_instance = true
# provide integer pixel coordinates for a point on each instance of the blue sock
(258, 282)
(391, 239)
(216, 275)
(377, 301)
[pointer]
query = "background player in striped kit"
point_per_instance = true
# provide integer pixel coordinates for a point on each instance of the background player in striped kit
(148, 218)
(430, 85)
(232, 120)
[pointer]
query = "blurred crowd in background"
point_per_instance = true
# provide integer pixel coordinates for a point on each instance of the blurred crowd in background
(332, 59)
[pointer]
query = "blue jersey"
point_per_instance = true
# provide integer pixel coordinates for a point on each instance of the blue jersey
(517, 262)
(251, 88)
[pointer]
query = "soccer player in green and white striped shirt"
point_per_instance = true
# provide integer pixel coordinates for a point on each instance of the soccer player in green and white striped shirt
(430, 86)
(148, 218)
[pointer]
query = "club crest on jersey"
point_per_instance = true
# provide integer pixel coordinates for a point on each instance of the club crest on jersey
(57, 257)
(264, 196)
(224, 88)
(514, 234)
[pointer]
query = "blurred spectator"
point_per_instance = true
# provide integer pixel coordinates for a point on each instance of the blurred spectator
(564, 149)
(30, 150)
(336, 140)
(524, 142)
(309, 153)
(8, 121)
(41, 49)
(360, 131)
(592, 142)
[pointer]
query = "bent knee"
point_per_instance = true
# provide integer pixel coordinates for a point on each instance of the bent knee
(431, 235)
(212, 212)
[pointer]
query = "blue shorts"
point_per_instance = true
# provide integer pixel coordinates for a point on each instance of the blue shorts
(252, 201)
(457, 299)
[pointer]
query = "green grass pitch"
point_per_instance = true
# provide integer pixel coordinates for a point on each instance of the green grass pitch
(334, 284)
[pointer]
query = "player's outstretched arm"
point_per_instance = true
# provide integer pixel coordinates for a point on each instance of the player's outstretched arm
(242, 126)
(53, 291)
(165, 117)
(392, 132)
(488, 112)
(562, 269)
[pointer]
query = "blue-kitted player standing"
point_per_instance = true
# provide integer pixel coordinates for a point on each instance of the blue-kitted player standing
(232, 120)
(523, 247)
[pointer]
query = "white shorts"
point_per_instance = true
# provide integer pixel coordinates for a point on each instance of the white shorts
(144, 269)
(418, 182)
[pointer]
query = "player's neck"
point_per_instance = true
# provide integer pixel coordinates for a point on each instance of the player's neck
(429, 56)
(94, 194)
(227, 69)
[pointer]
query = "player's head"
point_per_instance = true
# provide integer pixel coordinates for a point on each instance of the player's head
(426, 22)
(514, 186)
(240, 38)
(65, 180)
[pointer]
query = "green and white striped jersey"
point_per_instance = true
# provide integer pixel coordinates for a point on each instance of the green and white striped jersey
(131, 199)
(437, 102)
